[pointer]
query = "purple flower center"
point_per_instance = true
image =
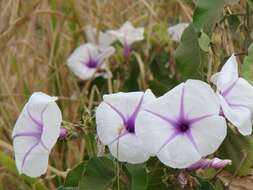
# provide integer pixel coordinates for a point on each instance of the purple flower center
(183, 126)
(92, 63)
(130, 125)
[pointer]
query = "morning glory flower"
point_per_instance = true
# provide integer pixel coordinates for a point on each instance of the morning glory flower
(97, 37)
(87, 59)
(215, 163)
(115, 118)
(183, 125)
(235, 95)
(177, 30)
(127, 35)
(35, 133)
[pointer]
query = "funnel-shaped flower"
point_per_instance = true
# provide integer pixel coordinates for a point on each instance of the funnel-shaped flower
(183, 125)
(97, 37)
(127, 35)
(177, 30)
(115, 118)
(215, 163)
(87, 58)
(235, 95)
(35, 133)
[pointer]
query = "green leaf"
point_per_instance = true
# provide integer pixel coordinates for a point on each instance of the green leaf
(190, 59)
(233, 22)
(205, 185)
(248, 65)
(9, 163)
(99, 174)
(207, 14)
(74, 176)
(239, 149)
(138, 176)
(204, 41)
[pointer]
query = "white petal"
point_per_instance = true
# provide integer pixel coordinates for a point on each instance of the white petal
(129, 149)
(196, 95)
(228, 73)
(126, 103)
(31, 157)
(37, 104)
(179, 153)
(127, 34)
(52, 119)
(152, 130)
(109, 123)
(104, 38)
(177, 30)
(24, 124)
(81, 70)
(241, 94)
(209, 133)
(239, 116)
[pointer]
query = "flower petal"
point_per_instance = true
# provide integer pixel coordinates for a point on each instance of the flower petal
(228, 73)
(31, 157)
(241, 94)
(209, 133)
(239, 116)
(153, 129)
(177, 30)
(52, 119)
(179, 153)
(197, 94)
(129, 149)
(109, 123)
(37, 104)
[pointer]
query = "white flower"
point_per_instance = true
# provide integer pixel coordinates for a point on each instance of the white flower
(127, 35)
(235, 95)
(35, 133)
(87, 59)
(97, 37)
(177, 30)
(115, 118)
(183, 125)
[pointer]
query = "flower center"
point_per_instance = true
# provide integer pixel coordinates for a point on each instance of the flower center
(92, 63)
(183, 126)
(130, 125)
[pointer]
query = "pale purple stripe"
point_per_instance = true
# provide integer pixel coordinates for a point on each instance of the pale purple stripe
(170, 121)
(118, 137)
(226, 91)
(190, 137)
(28, 152)
(237, 105)
(38, 123)
(172, 136)
(43, 145)
(28, 134)
(117, 111)
(197, 119)
(137, 109)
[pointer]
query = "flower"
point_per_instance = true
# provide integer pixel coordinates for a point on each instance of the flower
(97, 37)
(115, 118)
(177, 30)
(127, 35)
(35, 133)
(87, 59)
(183, 125)
(235, 95)
(215, 163)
